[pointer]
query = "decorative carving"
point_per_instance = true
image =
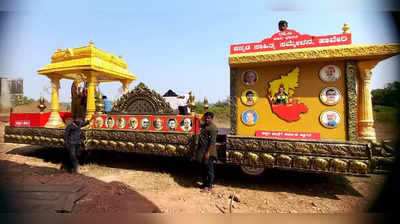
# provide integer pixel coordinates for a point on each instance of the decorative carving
(320, 164)
(351, 101)
(338, 165)
(284, 160)
(142, 100)
(339, 149)
(312, 54)
(233, 100)
(268, 159)
(301, 162)
(358, 167)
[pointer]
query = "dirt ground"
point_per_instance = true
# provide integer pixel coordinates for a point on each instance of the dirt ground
(132, 182)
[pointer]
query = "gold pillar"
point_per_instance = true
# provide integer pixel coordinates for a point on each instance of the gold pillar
(90, 103)
(125, 86)
(365, 112)
(55, 120)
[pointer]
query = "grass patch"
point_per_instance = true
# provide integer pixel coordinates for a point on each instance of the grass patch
(385, 114)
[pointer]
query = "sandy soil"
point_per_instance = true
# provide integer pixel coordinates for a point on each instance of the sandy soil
(170, 185)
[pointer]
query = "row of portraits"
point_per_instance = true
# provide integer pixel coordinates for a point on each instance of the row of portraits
(328, 118)
(328, 96)
(328, 74)
(144, 123)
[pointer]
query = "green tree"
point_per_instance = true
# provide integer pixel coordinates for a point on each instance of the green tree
(388, 96)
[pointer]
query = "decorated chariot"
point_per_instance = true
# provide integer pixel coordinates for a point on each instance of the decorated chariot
(297, 102)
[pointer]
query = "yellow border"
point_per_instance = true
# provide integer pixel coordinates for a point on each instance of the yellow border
(241, 118)
(330, 87)
(336, 67)
(242, 77)
(162, 123)
(323, 124)
(256, 97)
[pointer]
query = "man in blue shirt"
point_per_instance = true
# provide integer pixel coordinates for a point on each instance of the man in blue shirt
(107, 105)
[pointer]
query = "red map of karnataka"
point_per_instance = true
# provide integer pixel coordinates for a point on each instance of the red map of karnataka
(280, 97)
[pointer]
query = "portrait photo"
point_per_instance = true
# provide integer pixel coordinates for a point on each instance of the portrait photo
(249, 117)
(158, 123)
(171, 124)
(99, 122)
(330, 96)
(133, 123)
(110, 122)
(186, 124)
(145, 123)
(121, 122)
(249, 97)
(249, 77)
(330, 118)
(329, 73)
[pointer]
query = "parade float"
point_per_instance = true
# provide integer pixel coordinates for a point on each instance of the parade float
(297, 102)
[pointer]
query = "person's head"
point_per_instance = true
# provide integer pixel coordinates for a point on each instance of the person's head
(331, 117)
(172, 124)
(249, 96)
(186, 123)
(283, 25)
(330, 71)
(109, 122)
(250, 77)
(104, 97)
(281, 88)
(331, 95)
(250, 116)
(157, 123)
(145, 123)
(208, 117)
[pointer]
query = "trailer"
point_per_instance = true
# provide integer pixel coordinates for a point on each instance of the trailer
(297, 102)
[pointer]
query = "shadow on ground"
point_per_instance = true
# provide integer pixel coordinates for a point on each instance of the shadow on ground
(187, 174)
(101, 197)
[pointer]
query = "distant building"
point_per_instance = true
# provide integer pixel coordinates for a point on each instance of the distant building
(172, 98)
(10, 90)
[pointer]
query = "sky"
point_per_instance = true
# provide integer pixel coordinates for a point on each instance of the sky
(178, 45)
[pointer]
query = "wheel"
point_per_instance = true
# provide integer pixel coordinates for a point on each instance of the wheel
(254, 171)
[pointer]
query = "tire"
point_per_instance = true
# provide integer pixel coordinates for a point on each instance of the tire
(253, 171)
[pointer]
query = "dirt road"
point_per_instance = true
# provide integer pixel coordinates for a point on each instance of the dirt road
(116, 181)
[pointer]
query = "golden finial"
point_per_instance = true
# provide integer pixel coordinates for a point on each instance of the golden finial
(59, 49)
(191, 105)
(205, 104)
(120, 56)
(41, 105)
(345, 28)
(91, 43)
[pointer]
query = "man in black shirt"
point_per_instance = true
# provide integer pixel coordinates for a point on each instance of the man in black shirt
(207, 153)
(72, 138)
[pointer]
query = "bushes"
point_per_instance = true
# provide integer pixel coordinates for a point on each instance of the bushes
(221, 109)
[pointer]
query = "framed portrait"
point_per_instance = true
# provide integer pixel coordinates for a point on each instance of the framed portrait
(249, 117)
(171, 124)
(133, 123)
(330, 118)
(158, 123)
(249, 97)
(186, 124)
(249, 78)
(110, 122)
(121, 123)
(330, 96)
(99, 122)
(145, 123)
(329, 73)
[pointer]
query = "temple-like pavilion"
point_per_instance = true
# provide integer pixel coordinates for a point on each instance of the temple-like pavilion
(89, 64)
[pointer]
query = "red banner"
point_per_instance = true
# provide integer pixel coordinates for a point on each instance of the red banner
(288, 135)
(290, 39)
